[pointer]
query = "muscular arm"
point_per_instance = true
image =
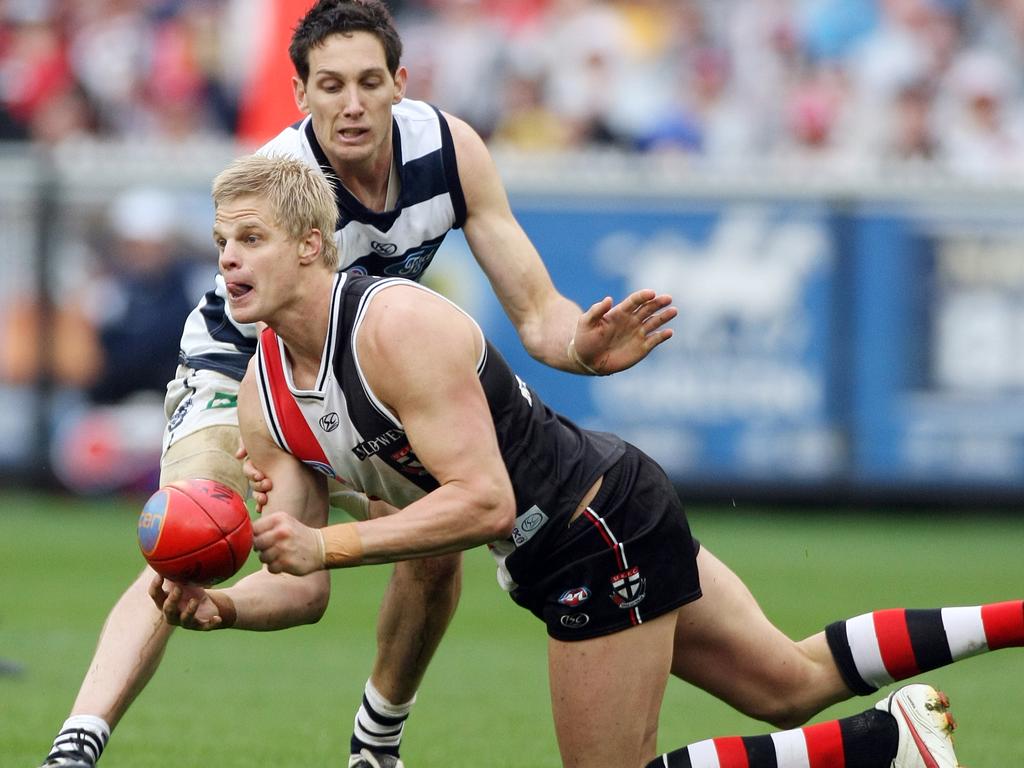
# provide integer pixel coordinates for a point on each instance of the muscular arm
(419, 357)
(607, 338)
(262, 600)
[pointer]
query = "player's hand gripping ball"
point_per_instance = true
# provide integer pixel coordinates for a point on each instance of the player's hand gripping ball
(195, 532)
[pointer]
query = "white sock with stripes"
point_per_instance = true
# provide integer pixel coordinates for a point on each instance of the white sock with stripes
(81, 736)
(379, 723)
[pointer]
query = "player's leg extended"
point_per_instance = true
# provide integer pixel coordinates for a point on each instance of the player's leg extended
(726, 645)
(129, 650)
(135, 635)
(417, 607)
(606, 694)
(878, 648)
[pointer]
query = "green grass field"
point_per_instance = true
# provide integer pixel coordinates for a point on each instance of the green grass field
(233, 699)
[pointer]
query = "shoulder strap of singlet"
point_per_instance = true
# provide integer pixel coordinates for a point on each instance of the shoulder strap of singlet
(284, 417)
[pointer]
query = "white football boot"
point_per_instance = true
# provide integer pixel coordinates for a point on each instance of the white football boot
(926, 727)
(368, 759)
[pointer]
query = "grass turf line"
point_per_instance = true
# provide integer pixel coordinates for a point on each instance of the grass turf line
(287, 698)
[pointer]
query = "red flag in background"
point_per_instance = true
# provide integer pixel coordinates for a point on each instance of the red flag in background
(267, 104)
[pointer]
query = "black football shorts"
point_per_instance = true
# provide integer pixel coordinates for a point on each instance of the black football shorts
(628, 558)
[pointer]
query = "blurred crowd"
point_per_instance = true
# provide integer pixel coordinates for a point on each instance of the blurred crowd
(854, 83)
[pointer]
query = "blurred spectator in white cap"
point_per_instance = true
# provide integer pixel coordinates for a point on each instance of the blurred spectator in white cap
(139, 300)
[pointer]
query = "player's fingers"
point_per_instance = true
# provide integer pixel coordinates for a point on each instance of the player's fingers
(658, 319)
(638, 299)
(652, 340)
(156, 587)
(170, 606)
(188, 613)
(597, 310)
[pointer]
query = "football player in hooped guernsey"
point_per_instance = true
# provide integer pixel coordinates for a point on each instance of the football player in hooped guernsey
(403, 174)
(391, 388)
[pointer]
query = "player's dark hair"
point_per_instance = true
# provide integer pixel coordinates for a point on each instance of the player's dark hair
(334, 17)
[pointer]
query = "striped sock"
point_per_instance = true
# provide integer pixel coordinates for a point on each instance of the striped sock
(379, 723)
(867, 740)
(81, 736)
(875, 649)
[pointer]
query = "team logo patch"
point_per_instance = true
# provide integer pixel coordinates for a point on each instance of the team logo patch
(414, 264)
(329, 422)
(574, 597)
(574, 620)
(527, 524)
(628, 588)
(385, 249)
(151, 522)
(222, 400)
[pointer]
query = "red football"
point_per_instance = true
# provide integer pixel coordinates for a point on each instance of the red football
(195, 532)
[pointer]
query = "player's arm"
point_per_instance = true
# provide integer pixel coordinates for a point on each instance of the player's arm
(262, 600)
(604, 339)
(419, 357)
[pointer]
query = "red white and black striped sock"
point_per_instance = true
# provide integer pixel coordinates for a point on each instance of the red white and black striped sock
(867, 740)
(875, 649)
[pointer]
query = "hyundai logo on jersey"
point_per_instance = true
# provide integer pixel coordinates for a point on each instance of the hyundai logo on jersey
(329, 422)
(386, 249)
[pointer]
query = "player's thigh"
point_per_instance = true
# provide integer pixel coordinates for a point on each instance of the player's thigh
(202, 437)
(725, 644)
(606, 694)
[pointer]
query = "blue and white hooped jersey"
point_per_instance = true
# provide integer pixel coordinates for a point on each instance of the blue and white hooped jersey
(400, 242)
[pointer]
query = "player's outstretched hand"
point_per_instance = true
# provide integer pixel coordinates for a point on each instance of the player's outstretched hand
(191, 607)
(613, 338)
(287, 546)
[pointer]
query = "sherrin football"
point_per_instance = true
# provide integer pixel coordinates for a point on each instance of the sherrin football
(195, 532)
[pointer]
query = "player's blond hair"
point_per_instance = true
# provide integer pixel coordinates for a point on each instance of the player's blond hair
(300, 197)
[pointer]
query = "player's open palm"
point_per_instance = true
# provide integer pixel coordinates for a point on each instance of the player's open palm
(185, 605)
(287, 546)
(613, 338)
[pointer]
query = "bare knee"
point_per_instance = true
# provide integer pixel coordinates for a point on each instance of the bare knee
(790, 698)
(783, 713)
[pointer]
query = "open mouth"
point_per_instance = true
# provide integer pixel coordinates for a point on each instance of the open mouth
(238, 290)
(352, 134)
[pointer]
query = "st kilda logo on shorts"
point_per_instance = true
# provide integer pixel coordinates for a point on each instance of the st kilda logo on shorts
(628, 588)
